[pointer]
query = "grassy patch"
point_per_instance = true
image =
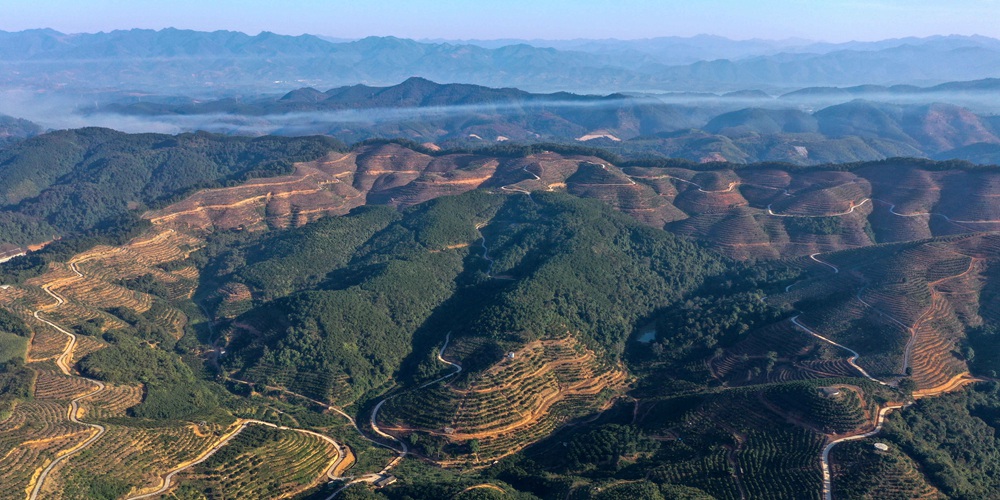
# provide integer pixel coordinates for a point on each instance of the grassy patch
(12, 347)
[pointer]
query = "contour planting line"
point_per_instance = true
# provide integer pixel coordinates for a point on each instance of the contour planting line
(74, 406)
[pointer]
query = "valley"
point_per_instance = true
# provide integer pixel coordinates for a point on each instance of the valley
(382, 312)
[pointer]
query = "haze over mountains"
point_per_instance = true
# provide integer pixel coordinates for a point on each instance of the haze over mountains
(182, 61)
(702, 98)
(739, 127)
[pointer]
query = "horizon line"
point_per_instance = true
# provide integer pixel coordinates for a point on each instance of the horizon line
(473, 41)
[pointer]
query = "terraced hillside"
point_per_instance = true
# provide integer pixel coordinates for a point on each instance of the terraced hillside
(767, 212)
(868, 472)
(393, 175)
(144, 454)
(750, 212)
(508, 406)
(749, 443)
(108, 288)
(95, 284)
(51, 453)
(746, 211)
(262, 462)
(797, 357)
(77, 297)
(383, 174)
(904, 308)
(756, 211)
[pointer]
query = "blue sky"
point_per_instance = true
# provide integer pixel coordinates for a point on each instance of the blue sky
(830, 20)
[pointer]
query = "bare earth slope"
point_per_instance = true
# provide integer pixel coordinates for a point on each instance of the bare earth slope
(752, 212)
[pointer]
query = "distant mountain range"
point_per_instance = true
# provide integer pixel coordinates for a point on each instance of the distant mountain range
(673, 50)
(743, 127)
(702, 98)
(204, 63)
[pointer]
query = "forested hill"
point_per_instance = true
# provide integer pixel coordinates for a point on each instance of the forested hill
(555, 265)
(73, 181)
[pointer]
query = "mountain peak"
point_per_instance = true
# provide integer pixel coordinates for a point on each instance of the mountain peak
(306, 94)
(414, 81)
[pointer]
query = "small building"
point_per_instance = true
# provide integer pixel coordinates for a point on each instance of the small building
(829, 392)
(384, 481)
(881, 447)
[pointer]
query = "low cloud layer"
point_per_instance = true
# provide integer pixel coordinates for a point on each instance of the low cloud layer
(62, 111)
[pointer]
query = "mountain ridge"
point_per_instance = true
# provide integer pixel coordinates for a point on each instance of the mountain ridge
(381, 60)
(466, 115)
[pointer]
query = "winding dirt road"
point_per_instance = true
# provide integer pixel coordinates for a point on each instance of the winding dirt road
(374, 418)
(910, 330)
(892, 210)
(74, 406)
(627, 177)
(373, 421)
(343, 449)
(879, 420)
(854, 355)
(956, 382)
(166, 480)
(486, 256)
(440, 357)
(519, 190)
(732, 185)
(63, 362)
(849, 211)
(836, 270)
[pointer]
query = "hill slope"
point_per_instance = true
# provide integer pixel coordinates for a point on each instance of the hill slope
(490, 319)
